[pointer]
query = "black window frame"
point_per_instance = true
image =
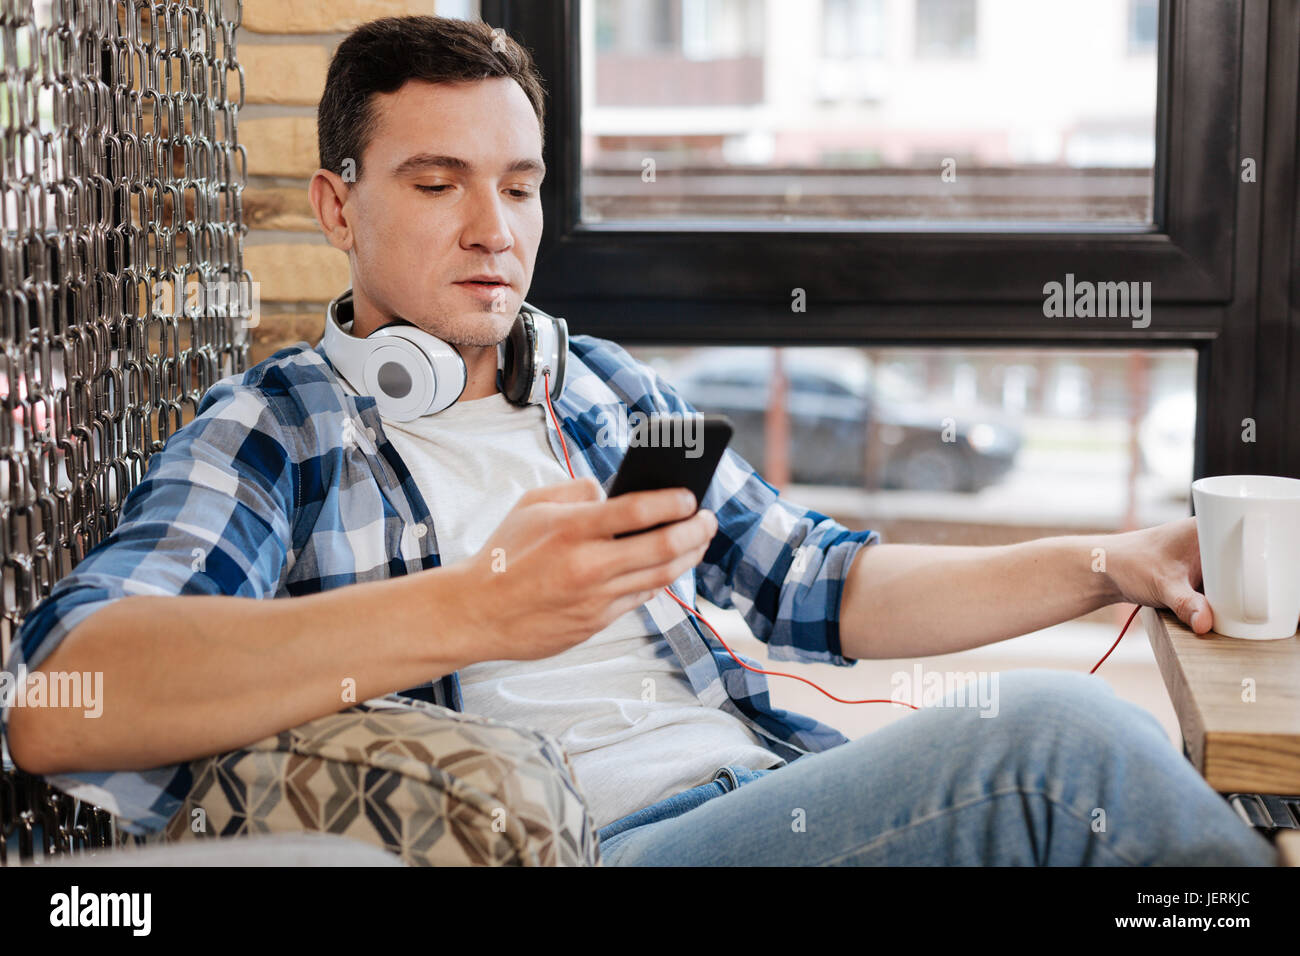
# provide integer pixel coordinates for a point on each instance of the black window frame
(1221, 254)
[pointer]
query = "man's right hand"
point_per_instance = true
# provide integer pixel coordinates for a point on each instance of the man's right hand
(552, 574)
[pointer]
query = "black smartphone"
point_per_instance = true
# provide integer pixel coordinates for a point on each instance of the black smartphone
(672, 450)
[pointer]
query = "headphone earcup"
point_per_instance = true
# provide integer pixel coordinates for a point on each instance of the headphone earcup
(411, 373)
(516, 374)
(561, 355)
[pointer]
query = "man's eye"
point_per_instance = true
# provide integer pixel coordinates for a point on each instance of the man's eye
(521, 193)
(432, 189)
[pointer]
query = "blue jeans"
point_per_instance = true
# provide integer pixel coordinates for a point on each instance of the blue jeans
(1066, 773)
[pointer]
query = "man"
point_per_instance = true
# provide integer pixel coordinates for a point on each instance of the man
(479, 575)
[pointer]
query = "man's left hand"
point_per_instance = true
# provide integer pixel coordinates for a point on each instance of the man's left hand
(1160, 567)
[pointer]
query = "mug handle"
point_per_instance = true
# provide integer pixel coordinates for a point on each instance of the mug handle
(1254, 567)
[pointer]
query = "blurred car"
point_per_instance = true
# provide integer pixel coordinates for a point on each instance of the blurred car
(849, 424)
(1167, 438)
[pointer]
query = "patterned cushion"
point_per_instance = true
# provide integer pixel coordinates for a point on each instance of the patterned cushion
(435, 786)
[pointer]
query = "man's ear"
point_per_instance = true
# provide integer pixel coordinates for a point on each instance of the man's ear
(328, 194)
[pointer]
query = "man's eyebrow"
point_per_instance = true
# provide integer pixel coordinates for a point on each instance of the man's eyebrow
(422, 161)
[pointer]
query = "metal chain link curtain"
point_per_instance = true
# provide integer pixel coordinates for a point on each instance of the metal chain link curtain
(123, 293)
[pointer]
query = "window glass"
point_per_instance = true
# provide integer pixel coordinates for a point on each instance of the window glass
(704, 112)
(952, 439)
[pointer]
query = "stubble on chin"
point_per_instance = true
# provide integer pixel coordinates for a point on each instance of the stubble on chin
(485, 329)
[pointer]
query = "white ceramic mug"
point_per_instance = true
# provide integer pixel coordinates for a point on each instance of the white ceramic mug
(1248, 527)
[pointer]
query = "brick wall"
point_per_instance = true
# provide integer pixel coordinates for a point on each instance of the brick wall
(285, 47)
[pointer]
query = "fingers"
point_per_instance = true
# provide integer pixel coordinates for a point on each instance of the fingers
(575, 489)
(630, 570)
(641, 509)
(652, 549)
(627, 603)
(596, 516)
(1192, 609)
(1202, 618)
(659, 575)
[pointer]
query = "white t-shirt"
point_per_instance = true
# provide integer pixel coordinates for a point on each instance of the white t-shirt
(619, 702)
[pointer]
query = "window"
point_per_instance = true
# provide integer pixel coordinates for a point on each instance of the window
(854, 65)
(945, 28)
(721, 29)
(1143, 26)
(816, 385)
(849, 123)
(650, 262)
(853, 29)
(459, 9)
(948, 441)
(636, 26)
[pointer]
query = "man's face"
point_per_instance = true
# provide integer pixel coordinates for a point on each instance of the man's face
(449, 190)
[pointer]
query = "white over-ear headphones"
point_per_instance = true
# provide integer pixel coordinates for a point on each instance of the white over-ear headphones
(411, 373)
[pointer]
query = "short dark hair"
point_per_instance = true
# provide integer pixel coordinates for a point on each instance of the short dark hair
(379, 56)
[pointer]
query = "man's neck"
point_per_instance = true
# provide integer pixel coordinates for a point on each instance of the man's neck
(480, 371)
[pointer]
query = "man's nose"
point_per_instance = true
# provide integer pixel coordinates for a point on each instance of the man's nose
(486, 224)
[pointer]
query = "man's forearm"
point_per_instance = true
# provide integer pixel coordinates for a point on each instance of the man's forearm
(185, 677)
(904, 600)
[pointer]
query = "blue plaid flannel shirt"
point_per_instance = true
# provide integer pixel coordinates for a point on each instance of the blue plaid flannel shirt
(263, 483)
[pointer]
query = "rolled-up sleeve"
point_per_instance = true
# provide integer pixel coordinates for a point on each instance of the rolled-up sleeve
(781, 565)
(212, 515)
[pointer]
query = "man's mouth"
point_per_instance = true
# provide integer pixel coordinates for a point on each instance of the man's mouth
(486, 290)
(486, 279)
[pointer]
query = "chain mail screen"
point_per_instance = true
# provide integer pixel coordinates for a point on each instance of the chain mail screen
(123, 293)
